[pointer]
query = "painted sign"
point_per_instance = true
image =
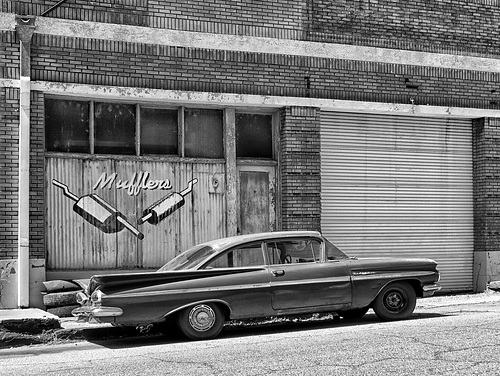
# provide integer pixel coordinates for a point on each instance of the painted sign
(133, 186)
(108, 219)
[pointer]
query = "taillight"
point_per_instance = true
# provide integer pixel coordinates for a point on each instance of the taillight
(81, 298)
(96, 297)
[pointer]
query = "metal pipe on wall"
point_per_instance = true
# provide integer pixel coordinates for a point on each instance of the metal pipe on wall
(25, 26)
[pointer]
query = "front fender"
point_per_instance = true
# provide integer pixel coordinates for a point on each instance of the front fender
(365, 289)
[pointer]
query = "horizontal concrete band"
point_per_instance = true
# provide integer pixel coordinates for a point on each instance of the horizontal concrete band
(146, 35)
(246, 100)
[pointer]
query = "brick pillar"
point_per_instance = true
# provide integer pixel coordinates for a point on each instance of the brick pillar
(300, 169)
(9, 118)
(486, 149)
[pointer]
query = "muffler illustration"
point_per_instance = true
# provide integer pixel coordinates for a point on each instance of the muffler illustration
(162, 208)
(98, 212)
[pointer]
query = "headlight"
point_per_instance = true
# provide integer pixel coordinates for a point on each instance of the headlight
(96, 297)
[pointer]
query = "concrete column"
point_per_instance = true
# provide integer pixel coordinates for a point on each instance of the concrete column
(231, 172)
(25, 26)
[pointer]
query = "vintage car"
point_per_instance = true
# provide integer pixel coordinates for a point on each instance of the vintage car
(258, 275)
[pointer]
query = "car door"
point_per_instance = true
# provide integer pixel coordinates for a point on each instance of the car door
(243, 282)
(300, 278)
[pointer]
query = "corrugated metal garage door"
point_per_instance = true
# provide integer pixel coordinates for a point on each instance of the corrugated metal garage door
(400, 186)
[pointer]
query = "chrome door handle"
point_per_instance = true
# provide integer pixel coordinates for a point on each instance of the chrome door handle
(278, 273)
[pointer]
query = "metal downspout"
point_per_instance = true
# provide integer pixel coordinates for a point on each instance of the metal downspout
(25, 26)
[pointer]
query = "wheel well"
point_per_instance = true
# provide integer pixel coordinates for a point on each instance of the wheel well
(415, 284)
(226, 311)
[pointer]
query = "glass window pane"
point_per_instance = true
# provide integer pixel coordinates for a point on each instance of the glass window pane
(254, 136)
(114, 128)
(159, 131)
(293, 251)
(203, 134)
(245, 256)
(67, 126)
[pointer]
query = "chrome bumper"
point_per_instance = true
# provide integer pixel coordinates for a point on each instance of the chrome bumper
(94, 313)
(429, 290)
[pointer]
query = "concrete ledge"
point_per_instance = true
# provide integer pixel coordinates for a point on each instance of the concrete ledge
(32, 320)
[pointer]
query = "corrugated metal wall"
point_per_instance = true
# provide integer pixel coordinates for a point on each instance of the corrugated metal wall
(73, 243)
(400, 186)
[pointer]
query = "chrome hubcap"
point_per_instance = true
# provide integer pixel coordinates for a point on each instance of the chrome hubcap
(201, 318)
(394, 301)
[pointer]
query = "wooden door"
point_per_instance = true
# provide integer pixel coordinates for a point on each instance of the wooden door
(257, 198)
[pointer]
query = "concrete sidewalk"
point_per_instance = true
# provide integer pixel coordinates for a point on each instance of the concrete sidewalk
(21, 327)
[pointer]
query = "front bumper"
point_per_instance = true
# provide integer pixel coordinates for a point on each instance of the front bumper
(88, 313)
(429, 290)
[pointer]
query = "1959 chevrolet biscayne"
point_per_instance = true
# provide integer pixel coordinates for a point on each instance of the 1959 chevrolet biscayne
(258, 275)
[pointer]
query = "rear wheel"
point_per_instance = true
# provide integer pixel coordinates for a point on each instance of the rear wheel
(201, 321)
(396, 301)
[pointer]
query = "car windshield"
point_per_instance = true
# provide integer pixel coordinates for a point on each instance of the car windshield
(189, 258)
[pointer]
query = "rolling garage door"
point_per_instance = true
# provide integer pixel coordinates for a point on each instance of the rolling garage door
(400, 186)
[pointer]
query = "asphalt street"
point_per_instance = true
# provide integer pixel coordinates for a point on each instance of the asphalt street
(460, 336)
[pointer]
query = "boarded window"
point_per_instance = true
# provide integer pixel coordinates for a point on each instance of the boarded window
(67, 126)
(114, 128)
(159, 131)
(203, 134)
(254, 136)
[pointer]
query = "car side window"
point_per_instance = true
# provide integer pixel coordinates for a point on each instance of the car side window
(333, 253)
(290, 251)
(246, 255)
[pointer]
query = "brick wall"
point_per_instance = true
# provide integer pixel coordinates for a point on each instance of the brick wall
(456, 24)
(9, 162)
(300, 169)
(9, 120)
(78, 60)
(37, 176)
(486, 148)
(9, 56)
(446, 25)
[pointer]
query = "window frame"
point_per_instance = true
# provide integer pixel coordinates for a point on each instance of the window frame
(321, 258)
(275, 135)
(274, 112)
(205, 266)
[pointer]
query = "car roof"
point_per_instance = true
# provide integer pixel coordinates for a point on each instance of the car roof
(240, 239)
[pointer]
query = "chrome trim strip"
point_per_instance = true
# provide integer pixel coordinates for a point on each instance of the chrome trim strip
(275, 283)
(363, 276)
(188, 290)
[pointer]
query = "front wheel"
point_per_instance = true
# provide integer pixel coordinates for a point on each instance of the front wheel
(202, 321)
(396, 301)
